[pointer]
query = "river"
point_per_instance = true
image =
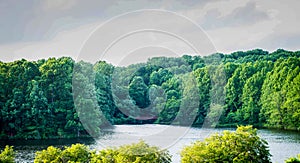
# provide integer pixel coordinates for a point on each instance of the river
(283, 144)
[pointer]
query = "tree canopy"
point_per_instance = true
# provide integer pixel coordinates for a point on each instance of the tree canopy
(253, 87)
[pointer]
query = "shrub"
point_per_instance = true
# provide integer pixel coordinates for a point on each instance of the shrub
(244, 145)
(7, 155)
(142, 152)
(104, 156)
(51, 154)
(136, 153)
(293, 160)
(75, 153)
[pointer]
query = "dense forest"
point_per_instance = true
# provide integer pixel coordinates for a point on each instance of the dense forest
(61, 98)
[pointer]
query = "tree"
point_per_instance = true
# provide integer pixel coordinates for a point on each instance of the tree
(292, 104)
(234, 89)
(244, 145)
(189, 102)
(204, 86)
(84, 93)
(275, 98)
(38, 103)
(103, 77)
(139, 93)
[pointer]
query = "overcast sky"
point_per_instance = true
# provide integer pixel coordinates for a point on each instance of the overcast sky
(35, 29)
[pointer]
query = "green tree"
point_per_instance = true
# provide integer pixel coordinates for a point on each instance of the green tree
(252, 90)
(277, 86)
(84, 93)
(173, 91)
(234, 89)
(189, 102)
(138, 91)
(292, 104)
(103, 77)
(204, 86)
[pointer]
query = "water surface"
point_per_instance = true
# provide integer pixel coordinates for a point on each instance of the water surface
(283, 144)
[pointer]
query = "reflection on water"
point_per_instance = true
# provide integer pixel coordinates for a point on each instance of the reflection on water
(283, 144)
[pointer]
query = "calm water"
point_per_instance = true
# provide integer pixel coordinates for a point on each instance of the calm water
(283, 144)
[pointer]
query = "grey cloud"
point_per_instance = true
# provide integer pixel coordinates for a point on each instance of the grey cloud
(13, 16)
(241, 16)
(34, 20)
(273, 42)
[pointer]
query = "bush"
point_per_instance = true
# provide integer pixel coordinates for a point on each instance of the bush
(293, 160)
(104, 156)
(244, 145)
(75, 153)
(7, 155)
(136, 153)
(51, 154)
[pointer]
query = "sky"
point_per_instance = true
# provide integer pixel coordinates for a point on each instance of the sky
(35, 29)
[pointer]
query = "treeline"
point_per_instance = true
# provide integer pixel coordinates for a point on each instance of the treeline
(50, 98)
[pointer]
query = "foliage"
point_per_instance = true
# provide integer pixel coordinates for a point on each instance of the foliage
(138, 153)
(293, 159)
(244, 145)
(75, 153)
(7, 155)
(252, 87)
(51, 154)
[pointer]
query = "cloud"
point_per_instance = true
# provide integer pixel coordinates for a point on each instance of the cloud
(241, 16)
(13, 18)
(39, 29)
(67, 43)
(36, 20)
(274, 42)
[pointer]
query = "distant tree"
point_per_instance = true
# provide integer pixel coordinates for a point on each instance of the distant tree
(139, 92)
(204, 86)
(278, 110)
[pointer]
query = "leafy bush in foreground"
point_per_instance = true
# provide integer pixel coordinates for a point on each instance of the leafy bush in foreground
(137, 153)
(75, 153)
(293, 160)
(7, 155)
(244, 145)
